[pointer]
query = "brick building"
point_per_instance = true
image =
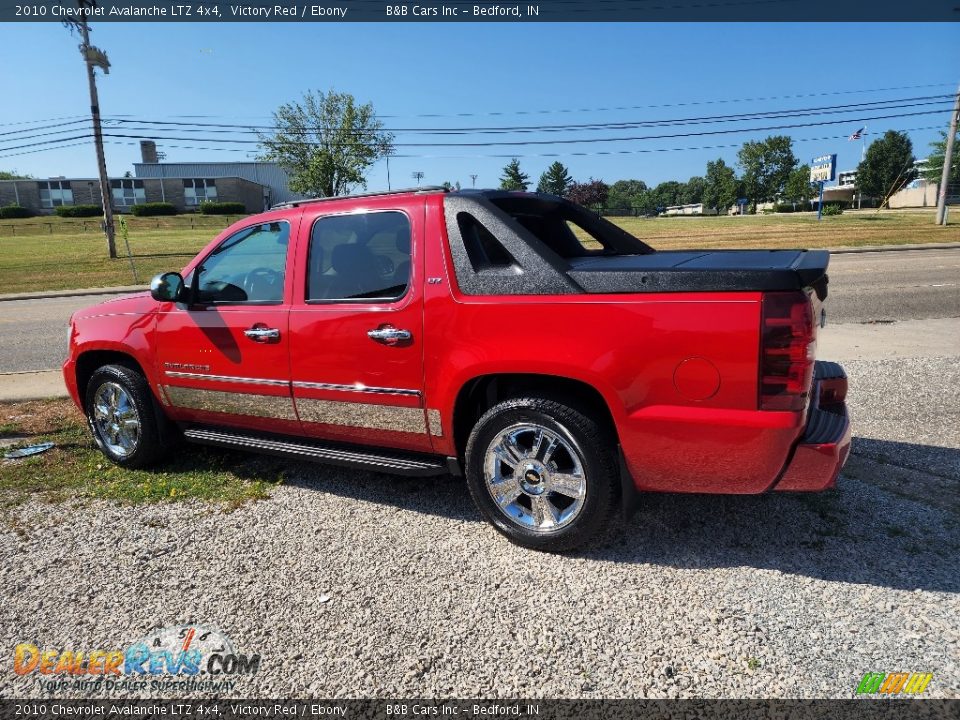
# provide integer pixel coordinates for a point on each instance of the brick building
(186, 194)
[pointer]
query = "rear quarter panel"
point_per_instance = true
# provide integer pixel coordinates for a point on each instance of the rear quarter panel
(678, 372)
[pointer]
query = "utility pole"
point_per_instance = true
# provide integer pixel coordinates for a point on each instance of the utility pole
(93, 57)
(947, 164)
(473, 181)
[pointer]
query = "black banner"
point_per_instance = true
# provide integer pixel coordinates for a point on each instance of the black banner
(487, 709)
(482, 11)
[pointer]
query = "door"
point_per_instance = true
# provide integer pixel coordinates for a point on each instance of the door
(223, 359)
(356, 341)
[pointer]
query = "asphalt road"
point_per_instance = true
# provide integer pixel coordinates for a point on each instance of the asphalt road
(864, 287)
(35, 331)
(902, 285)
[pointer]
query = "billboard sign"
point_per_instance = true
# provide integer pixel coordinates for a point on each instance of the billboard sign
(823, 168)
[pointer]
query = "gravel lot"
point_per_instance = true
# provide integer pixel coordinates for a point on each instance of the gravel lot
(792, 596)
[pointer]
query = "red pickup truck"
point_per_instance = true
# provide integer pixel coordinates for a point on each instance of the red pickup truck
(559, 363)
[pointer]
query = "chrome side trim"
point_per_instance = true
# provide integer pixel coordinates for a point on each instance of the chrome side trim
(434, 423)
(162, 395)
(226, 378)
(304, 385)
(361, 415)
(279, 407)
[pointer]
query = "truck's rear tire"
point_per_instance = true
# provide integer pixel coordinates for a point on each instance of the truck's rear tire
(542, 472)
(123, 417)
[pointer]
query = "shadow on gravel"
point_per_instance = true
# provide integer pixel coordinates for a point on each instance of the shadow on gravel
(893, 521)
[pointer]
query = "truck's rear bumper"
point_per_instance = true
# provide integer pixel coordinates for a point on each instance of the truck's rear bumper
(825, 445)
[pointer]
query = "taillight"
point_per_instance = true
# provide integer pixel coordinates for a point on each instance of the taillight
(787, 351)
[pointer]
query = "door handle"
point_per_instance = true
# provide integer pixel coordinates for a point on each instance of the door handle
(389, 335)
(262, 334)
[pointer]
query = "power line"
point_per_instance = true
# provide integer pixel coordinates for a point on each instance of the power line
(42, 127)
(563, 141)
(46, 149)
(620, 108)
(573, 153)
(47, 142)
(45, 120)
(892, 104)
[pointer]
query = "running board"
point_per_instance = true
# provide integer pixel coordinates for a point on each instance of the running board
(379, 461)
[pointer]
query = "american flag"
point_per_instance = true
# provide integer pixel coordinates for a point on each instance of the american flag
(858, 134)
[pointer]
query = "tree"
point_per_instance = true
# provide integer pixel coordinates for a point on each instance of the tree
(934, 169)
(14, 175)
(627, 194)
(667, 193)
(326, 143)
(766, 166)
(721, 187)
(591, 194)
(693, 190)
(556, 180)
(887, 167)
(513, 177)
(798, 187)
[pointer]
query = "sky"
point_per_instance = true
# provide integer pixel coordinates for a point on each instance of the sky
(482, 75)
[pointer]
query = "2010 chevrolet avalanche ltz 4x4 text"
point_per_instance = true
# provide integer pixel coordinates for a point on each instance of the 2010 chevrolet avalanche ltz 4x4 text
(558, 362)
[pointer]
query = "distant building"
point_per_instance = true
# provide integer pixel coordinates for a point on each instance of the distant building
(690, 209)
(270, 176)
(258, 185)
(923, 194)
(184, 193)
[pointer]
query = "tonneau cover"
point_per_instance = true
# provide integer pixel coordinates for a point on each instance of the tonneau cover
(702, 271)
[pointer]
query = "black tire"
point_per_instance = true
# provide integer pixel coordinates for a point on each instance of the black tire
(154, 436)
(590, 441)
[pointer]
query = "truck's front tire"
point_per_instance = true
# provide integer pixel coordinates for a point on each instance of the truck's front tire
(122, 417)
(542, 472)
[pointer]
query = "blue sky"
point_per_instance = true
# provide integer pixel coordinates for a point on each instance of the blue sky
(238, 73)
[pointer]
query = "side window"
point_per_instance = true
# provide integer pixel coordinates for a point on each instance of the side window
(483, 249)
(247, 267)
(363, 256)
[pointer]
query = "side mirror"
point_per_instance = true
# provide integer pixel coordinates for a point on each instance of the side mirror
(167, 287)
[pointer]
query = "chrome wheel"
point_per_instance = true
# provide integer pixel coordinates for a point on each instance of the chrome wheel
(116, 420)
(535, 476)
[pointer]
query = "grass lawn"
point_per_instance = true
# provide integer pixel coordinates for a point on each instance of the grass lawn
(60, 253)
(852, 229)
(75, 469)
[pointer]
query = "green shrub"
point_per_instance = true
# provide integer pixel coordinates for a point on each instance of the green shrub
(832, 209)
(13, 212)
(77, 211)
(222, 208)
(154, 208)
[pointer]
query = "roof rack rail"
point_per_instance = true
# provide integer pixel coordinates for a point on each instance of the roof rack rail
(375, 193)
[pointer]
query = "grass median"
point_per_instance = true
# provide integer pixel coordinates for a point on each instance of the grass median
(39, 254)
(63, 254)
(75, 469)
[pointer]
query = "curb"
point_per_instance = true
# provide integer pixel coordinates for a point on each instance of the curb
(73, 293)
(888, 248)
(140, 288)
(32, 385)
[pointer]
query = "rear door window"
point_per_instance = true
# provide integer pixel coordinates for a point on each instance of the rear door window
(359, 257)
